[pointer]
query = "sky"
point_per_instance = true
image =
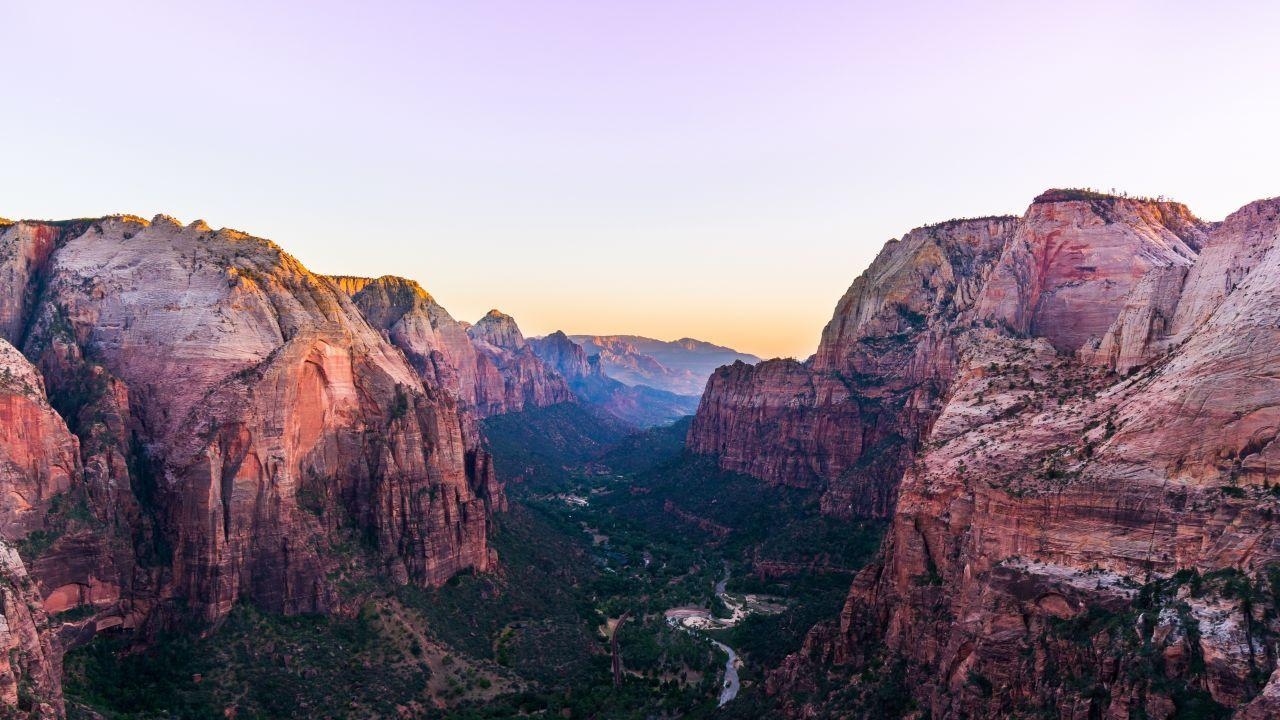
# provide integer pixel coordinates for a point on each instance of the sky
(715, 169)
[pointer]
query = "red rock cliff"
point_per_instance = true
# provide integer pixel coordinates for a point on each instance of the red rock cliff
(232, 426)
(850, 419)
(1080, 542)
(39, 461)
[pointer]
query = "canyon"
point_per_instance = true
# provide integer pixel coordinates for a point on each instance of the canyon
(194, 422)
(1027, 472)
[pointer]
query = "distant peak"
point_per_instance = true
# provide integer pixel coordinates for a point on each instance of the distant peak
(163, 220)
(499, 329)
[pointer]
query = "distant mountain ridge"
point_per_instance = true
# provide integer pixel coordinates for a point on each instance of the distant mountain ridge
(639, 405)
(679, 366)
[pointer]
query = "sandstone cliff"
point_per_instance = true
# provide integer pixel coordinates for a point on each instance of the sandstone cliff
(30, 656)
(510, 372)
(234, 428)
(39, 456)
(39, 460)
(1067, 540)
(849, 419)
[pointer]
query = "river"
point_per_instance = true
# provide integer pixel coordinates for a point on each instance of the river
(694, 619)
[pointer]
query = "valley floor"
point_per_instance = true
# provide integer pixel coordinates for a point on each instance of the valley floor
(601, 524)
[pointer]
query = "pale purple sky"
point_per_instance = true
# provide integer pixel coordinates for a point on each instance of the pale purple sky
(721, 170)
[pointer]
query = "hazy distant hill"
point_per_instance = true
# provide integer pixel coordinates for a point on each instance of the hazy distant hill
(679, 366)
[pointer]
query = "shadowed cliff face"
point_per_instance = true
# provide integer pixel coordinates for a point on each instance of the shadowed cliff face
(233, 426)
(1067, 538)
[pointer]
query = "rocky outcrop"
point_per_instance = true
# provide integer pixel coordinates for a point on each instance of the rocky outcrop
(1076, 256)
(235, 430)
(30, 656)
(273, 416)
(491, 367)
(636, 405)
(488, 367)
(1076, 541)
(436, 345)
(848, 419)
(509, 375)
(25, 248)
(1161, 313)
(39, 457)
(39, 460)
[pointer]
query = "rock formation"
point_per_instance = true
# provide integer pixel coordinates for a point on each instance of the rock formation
(1085, 523)
(39, 459)
(39, 456)
(238, 428)
(847, 420)
(510, 372)
(30, 656)
(488, 366)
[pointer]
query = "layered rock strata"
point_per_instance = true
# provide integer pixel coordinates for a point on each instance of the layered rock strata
(211, 423)
(1087, 526)
(849, 419)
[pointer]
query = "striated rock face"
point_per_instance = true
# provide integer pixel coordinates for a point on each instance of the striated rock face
(39, 459)
(488, 367)
(1075, 541)
(509, 375)
(39, 456)
(25, 248)
(1075, 257)
(849, 419)
(637, 405)
(499, 330)
(30, 657)
(273, 415)
(1160, 313)
(436, 345)
(492, 373)
(235, 430)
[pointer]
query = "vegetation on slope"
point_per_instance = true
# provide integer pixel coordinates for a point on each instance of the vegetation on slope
(601, 524)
